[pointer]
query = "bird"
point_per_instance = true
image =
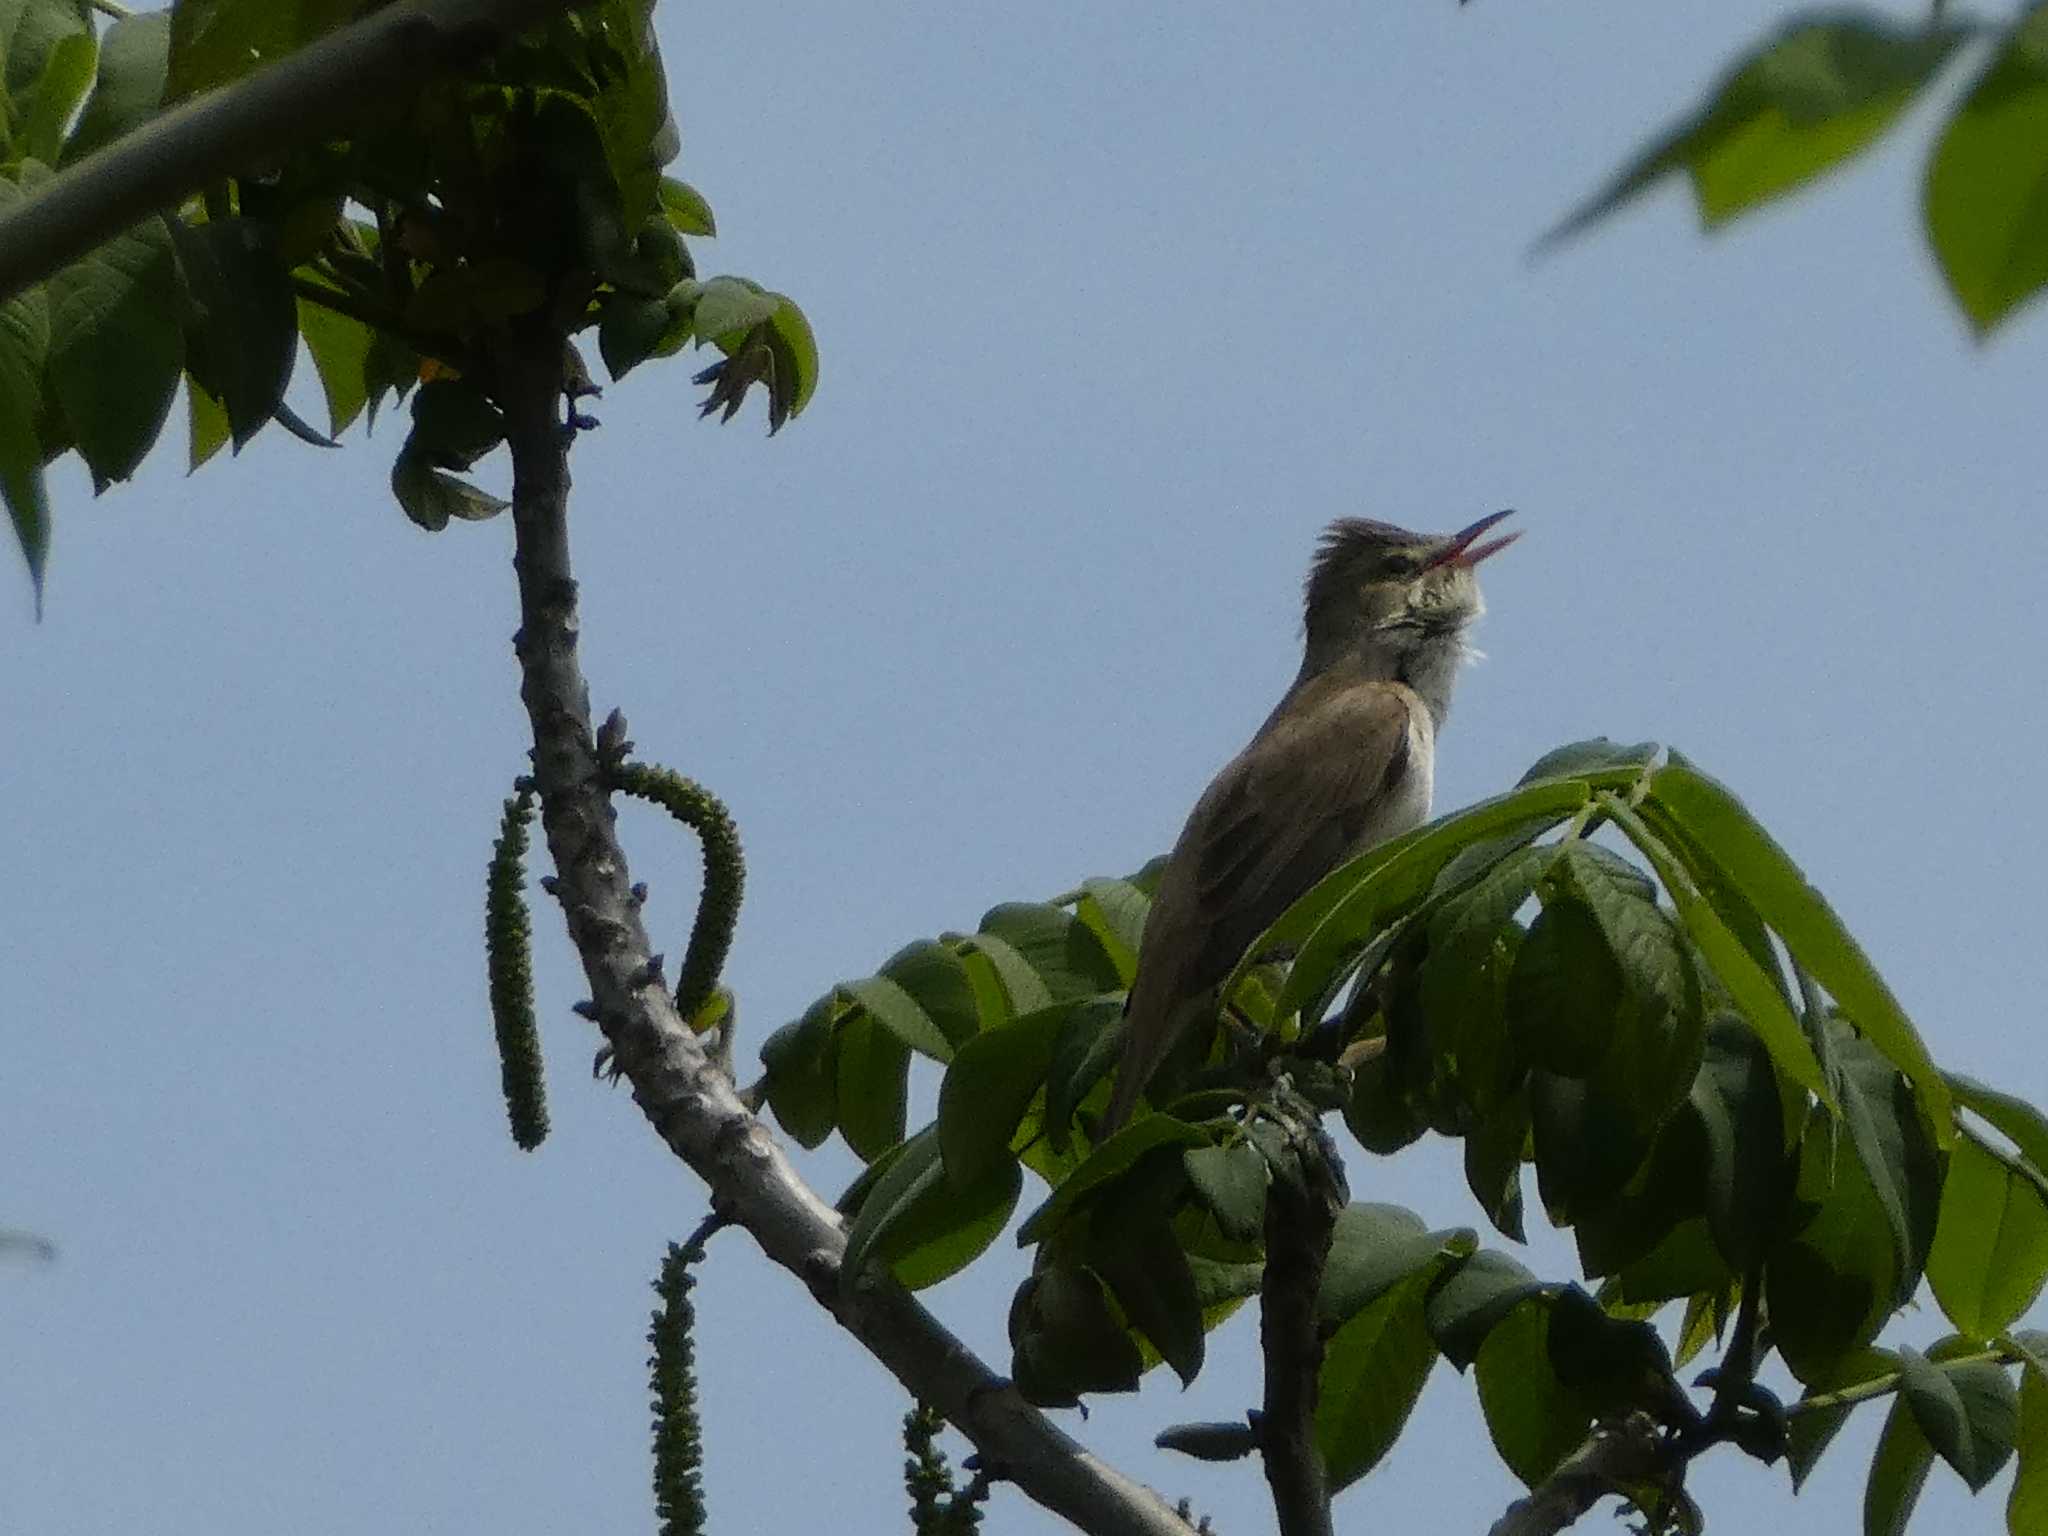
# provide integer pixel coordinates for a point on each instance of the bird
(1345, 761)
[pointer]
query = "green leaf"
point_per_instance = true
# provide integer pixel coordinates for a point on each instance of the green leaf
(874, 1072)
(1968, 1412)
(1468, 1302)
(888, 1004)
(242, 334)
(1589, 1142)
(116, 353)
(685, 208)
(1761, 1000)
(1493, 1163)
(1065, 1340)
(1750, 1174)
(1615, 1363)
(1579, 758)
(1534, 1418)
(1465, 977)
(1806, 100)
(67, 75)
(30, 30)
(938, 983)
(1566, 991)
(1148, 1273)
(802, 1063)
(134, 58)
(207, 424)
(1111, 1160)
(340, 347)
(1026, 989)
(1812, 932)
(1115, 911)
(1809, 1431)
(988, 1087)
(1373, 1249)
(2026, 1508)
(24, 347)
(922, 1227)
(1231, 1182)
(632, 327)
(430, 497)
(1655, 1048)
(1374, 1368)
(1067, 959)
(216, 41)
(1985, 198)
(729, 306)
(1706, 1314)
(1090, 1044)
(1990, 1252)
(2018, 1120)
(1890, 1141)
(1897, 1473)
(1331, 925)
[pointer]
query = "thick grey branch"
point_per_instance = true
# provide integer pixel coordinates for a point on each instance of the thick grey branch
(1301, 1214)
(317, 91)
(689, 1101)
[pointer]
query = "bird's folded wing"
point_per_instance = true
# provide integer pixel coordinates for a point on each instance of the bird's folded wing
(1324, 779)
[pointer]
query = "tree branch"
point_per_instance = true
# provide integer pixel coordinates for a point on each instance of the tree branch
(688, 1100)
(1301, 1214)
(317, 91)
(1614, 1455)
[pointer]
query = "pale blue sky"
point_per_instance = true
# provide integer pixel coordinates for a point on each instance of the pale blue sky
(1117, 307)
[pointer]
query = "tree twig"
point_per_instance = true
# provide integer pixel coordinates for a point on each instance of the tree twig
(1629, 1451)
(690, 1103)
(317, 91)
(1301, 1215)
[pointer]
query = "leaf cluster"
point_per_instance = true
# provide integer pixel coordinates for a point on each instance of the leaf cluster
(526, 190)
(1611, 976)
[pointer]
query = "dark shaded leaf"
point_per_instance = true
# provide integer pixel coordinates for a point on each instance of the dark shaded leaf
(1231, 1182)
(1535, 1419)
(1898, 1471)
(1148, 1273)
(116, 353)
(873, 1072)
(1066, 957)
(802, 1062)
(242, 332)
(987, 1088)
(1111, 1160)
(2026, 1508)
(1973, 1435)
(24, 348)
(1566, 991)
(1467, 1302)
(1750, 1173)
(1065, 1340)
(1493, 1164)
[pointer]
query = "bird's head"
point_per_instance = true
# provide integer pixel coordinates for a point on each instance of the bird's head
(1383, 590)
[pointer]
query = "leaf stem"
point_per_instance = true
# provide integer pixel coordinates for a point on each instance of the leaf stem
(1879, 1386)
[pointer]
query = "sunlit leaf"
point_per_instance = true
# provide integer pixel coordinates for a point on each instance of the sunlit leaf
(1990, 1252)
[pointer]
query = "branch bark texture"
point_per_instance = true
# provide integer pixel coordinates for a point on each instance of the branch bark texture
(686, 1097)
(319, 90)
(1301, 1215)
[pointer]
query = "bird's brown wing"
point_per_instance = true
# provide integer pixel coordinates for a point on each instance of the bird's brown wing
(1324, 778)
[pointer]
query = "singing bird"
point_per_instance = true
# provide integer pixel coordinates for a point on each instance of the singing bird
(1345, 761)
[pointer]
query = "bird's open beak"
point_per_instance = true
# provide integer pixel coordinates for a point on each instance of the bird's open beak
(1464, 548)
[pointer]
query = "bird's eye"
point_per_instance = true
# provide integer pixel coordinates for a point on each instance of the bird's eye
(1399, 565)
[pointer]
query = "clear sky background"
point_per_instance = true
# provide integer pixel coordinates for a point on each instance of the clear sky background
(1118, 305)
